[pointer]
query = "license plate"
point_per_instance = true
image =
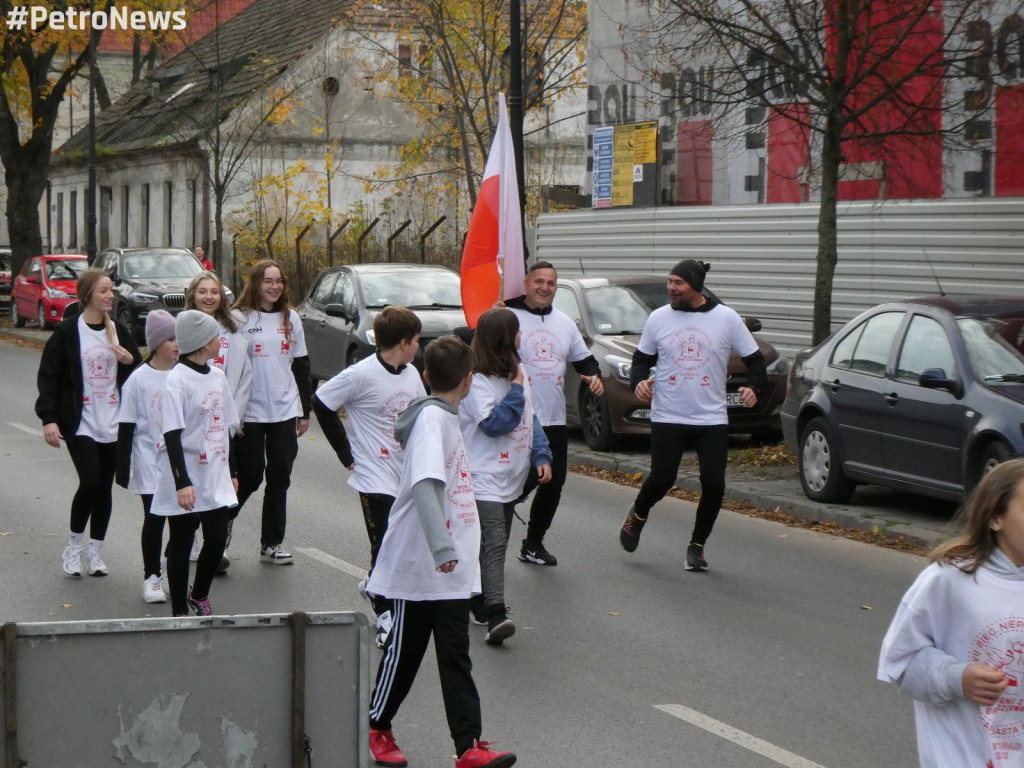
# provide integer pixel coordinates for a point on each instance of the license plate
(732, 400)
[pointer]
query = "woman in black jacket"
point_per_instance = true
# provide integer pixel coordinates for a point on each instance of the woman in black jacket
(84, 365)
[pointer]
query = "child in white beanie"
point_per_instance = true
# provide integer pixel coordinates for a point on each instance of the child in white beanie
(197, 484)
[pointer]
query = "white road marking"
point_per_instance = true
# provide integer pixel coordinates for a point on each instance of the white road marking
(736, 736)
(23, 428)
(334, 562)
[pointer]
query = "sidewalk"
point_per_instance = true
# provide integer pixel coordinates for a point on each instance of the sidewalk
(894, 514)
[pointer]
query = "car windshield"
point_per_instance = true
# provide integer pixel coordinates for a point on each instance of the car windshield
(618, 309)
(995, 346)
(65, 269)
(161, 264)
(416, 289)
(5, 261)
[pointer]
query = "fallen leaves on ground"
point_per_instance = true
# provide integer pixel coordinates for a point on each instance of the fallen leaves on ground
(874, 536)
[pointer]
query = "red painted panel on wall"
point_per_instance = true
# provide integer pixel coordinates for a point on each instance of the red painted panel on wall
(694, 162)
(788, 152)
(1009, 175)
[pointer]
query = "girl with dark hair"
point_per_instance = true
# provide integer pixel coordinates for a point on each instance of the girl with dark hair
(503, 438)
(84, 365)
(956, 644)
(206, 293)
(277, 412)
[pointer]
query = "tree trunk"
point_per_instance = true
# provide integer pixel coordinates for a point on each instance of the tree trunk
(25, 176)
(831, 155)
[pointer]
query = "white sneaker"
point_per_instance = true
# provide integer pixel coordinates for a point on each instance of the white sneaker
(275, 555)
(384, 624)
(153, 590)
(96, 565)
(73, 560)
(197, 547)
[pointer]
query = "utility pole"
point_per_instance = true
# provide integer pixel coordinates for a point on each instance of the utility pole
(515, 105)
(90, 219)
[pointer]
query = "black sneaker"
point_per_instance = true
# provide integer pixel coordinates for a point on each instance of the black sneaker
(629, 535)
(695, 558)
(499, 627)
(478, 611)
(534, 552)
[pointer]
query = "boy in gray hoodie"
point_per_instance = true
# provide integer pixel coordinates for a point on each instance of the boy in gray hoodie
(428, 565)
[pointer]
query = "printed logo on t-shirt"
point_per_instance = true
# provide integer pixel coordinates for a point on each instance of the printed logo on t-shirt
(503, 457)
(385, 454)
(388, 412)
(459, 485)
(155, 414)
(257, 349)
(542, 351)
(214, 436)
(1000, 645)
(691, 351)
(202, 458)
(219, 359)
(285, 346)
(100, 364)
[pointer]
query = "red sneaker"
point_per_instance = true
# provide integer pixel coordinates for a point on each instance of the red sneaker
(385, 751)
(480, 755)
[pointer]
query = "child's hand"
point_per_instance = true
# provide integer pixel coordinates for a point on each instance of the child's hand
(517, 377)
(123, 355)
(187, 498)
(544, 474)
(447, 567)
(983, 684)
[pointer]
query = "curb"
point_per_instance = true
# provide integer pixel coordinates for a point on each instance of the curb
(30, 335)
(762, 495)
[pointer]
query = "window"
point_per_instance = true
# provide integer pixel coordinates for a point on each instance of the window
(872, 352)
(124, 215)
(925, 346)
(404, 60)
(73, 220)
(60, 219)
(322, 293)
(168, 211)
(193, 196)
(35, 269)
(343, 293)
(565, 300)
(144, 222)
(842, 355)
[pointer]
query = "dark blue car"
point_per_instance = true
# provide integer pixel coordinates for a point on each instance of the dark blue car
(924, 395)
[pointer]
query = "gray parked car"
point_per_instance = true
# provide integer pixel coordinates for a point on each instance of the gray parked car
(924, 395)
(337, 314)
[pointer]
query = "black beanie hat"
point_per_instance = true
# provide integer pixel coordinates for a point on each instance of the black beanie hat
(692, 272)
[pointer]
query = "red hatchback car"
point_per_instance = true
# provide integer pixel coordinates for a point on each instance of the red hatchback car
(44, 288)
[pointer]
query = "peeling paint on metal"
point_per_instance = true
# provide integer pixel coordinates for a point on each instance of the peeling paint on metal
(156, 736)
(239, 744)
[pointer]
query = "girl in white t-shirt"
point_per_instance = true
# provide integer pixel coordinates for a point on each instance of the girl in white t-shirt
(277, 413)
(956, 644)
(140, 441)
(84, 364)
(197, 484)
(206, 293)
(503, 439)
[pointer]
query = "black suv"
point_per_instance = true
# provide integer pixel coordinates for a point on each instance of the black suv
(146, 279)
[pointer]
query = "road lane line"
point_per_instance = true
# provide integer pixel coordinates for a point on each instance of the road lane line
(334, 562)
(736, 736)
(23, 428)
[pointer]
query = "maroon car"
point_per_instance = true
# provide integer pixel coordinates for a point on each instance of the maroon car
(44, 288)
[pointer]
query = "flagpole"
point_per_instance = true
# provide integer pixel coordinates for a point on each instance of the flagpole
(515, 107)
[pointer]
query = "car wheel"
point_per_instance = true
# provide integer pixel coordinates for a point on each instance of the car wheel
(41, 317)
(354, 356)
(16, 319)
(995, 453)
(821, 475)
(596, 421)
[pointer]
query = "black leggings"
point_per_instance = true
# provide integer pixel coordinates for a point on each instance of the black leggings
(376, 509)
(95, 464)
(273, 448)
(545, 503)
(183, 531)
(152, 537)
(668, 442)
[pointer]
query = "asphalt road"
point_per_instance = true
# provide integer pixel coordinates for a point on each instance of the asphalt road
(620, 660)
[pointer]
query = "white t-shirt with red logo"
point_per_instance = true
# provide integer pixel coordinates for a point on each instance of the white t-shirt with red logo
(405, 568)
(693, 350)
(100, 398)
(372, 398)
(140, 405)
(200, 405)
(547, 343)
(274, 396)
(233, 359)
(500, 464)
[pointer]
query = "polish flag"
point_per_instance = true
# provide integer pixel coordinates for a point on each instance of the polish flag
(492, 260)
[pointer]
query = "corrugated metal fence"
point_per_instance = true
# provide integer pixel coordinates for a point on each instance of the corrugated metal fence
(763, 256)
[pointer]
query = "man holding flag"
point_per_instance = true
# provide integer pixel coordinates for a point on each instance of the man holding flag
(492, 271)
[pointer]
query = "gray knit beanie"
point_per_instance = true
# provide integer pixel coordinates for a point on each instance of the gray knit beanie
(159, 328)
(195, 330)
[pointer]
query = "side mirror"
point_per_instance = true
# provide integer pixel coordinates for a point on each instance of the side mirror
(32, 280)
(337, 310)
(752, 323)
(936, 378)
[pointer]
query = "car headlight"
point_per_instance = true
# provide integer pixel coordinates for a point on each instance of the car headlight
(371, 337)
(144, 298)
(53, 293)
(620, 366)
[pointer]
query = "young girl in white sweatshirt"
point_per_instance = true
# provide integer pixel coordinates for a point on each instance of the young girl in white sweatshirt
(956, 644)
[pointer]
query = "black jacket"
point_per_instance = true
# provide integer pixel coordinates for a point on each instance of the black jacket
(60, 375)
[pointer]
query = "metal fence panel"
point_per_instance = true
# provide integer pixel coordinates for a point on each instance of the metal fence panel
(764, 256)
(195, 692)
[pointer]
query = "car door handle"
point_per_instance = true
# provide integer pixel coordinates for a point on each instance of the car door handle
(892, 398)
(835, 385)
(323, 323)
